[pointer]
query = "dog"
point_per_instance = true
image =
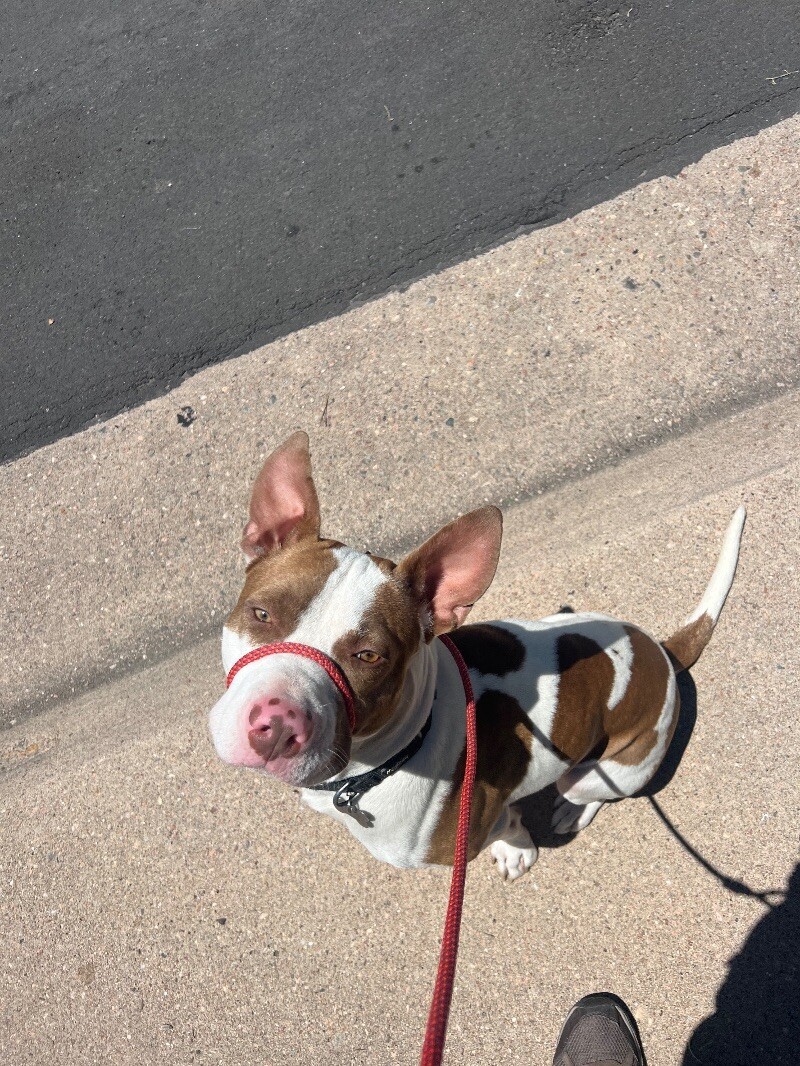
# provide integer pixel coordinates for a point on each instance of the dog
(576, 699)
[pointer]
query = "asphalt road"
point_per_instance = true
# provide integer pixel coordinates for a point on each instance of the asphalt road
(185, 180)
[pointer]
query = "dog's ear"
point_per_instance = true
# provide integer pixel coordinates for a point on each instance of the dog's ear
(454, 568)
(284, 505)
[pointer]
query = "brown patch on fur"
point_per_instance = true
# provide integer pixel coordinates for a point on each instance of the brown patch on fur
(490, 649)
(390, 626)
(631, 725)
(283, 582)
(686, 646)
(587, 676)
(583, 725)
(504, 739)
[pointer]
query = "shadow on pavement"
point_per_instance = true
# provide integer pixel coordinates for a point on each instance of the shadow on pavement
(680, 742)
(536, 810)
(663, 776)
(757, 1020)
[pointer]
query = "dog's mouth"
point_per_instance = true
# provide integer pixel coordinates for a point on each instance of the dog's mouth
(304, 767)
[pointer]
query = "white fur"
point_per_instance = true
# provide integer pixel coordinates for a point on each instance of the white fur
(344, 600)
(514, 853)
(620, 651)
(721, 580)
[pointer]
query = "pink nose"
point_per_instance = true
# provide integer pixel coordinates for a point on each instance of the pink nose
(279, 729)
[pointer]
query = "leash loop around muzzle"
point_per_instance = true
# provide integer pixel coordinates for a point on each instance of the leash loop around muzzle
(329, 665)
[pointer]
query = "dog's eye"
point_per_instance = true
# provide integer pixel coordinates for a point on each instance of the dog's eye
(261, 614)
(367, 656)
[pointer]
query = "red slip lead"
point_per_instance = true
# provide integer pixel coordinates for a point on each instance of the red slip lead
(436, 1030)
(331, 668)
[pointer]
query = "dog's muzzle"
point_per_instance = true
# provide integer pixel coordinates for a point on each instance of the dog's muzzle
(330, 666)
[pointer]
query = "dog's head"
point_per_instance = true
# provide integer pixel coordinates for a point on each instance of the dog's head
(283, 714)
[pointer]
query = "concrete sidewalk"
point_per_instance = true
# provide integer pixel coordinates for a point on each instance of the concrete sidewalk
(159, 908)
(545, 359)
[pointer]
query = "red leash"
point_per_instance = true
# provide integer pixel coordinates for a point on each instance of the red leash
(436, 1029)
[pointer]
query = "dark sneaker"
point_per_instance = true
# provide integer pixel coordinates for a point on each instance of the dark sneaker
(599, 1031)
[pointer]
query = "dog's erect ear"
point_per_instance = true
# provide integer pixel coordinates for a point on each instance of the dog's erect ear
(284, 505)
(454, 568)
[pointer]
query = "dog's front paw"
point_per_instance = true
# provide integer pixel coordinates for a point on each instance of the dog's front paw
(513, 862)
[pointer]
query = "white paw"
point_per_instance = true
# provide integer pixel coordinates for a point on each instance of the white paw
(512, 862)
(572, 817)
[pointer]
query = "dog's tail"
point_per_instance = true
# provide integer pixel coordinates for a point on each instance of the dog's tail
(686, 645)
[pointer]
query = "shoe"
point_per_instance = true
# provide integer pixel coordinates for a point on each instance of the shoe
(599, 1031)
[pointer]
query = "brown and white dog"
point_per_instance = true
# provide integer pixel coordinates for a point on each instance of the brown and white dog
(581, 700)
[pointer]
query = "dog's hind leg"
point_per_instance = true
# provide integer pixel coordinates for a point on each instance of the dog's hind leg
(584, 790)
(589, 785)
(569, 817)
(639, 732)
